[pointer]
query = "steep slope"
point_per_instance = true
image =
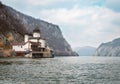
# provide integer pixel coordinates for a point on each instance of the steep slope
(16, 23)
(109, 49)
(85, 51)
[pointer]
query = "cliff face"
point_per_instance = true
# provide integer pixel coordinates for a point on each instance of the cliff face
(16, 23)
(109, 49)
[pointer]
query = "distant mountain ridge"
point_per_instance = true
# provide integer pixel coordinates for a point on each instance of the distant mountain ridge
(16, 23)
(109, 49)
(85, 51)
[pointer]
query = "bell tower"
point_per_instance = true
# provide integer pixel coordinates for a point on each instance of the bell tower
(36, 32)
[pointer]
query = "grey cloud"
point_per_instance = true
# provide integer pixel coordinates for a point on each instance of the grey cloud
(113, 4)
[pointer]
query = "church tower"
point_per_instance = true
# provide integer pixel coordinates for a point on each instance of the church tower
(36, 32)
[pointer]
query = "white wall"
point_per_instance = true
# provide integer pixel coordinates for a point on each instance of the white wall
(43, 43)
(18, 48)
(26, 38)
(25, 47)
(33, 40)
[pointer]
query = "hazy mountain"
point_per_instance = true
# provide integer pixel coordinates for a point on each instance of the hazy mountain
(109, 49)
(17, 24)
(85, 51)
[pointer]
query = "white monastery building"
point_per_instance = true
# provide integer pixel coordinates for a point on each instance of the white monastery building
(34, 45)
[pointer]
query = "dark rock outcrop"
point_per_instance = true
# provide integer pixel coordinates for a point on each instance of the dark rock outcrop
(109, 49)
(16, 23)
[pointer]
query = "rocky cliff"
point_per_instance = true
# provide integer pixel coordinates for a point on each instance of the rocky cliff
(17, 24)
(109, 49)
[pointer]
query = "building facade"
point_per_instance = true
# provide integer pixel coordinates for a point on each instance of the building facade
(33, 46)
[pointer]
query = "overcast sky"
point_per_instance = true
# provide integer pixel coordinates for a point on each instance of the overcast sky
(83, 22)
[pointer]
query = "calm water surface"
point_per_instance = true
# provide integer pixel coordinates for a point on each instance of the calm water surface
(60, 70)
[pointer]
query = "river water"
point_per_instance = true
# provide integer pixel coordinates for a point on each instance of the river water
(60, 70)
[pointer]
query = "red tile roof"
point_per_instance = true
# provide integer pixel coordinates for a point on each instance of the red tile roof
(23, 43)
(35, 43)
(18, 43)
